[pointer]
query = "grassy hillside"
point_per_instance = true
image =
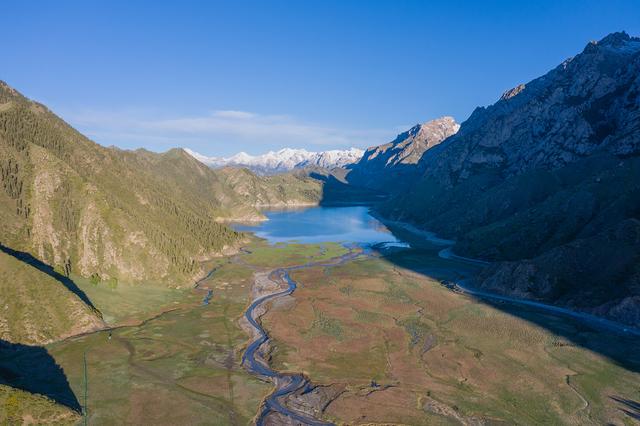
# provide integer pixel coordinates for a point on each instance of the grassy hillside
(20, 407)
(102, 212)
(74, 211)
(37, 308)
(281, 190)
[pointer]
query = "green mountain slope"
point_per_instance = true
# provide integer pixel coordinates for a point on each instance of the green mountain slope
(281, 190)
(70, 207)
(20, 407)
(37, 308)
(104, 212)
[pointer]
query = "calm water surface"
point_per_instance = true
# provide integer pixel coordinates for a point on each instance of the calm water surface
(322, 224)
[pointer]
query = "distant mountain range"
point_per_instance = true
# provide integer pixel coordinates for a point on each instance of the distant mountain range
(284, 160)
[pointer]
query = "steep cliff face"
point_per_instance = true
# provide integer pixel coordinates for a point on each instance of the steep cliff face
(383, 167)
(587, 104)
(543, 177)
(103, 212)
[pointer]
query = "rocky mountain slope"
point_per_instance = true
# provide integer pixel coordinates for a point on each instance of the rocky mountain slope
(70, 207)
(284, 160)
(547, 181)
(389, 166)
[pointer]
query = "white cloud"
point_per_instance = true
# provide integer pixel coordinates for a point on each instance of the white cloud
(221, 132)
(241, 115)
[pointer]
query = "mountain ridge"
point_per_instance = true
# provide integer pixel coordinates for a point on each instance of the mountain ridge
(283, 160)
(389, 166)
(542, 179)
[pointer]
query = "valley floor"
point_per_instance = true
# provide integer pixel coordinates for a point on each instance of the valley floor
(380, 335)
(405, 349)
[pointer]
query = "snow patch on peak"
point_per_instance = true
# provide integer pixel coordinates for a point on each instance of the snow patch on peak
(197, 156)
(283, 160)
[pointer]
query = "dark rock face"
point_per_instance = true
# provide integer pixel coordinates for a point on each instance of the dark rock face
(547, 181)
(608, 262)
(383, 167)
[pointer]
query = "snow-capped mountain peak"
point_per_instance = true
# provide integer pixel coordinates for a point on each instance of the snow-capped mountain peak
(283, 160)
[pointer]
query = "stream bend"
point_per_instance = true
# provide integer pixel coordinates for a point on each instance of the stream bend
(253, 358)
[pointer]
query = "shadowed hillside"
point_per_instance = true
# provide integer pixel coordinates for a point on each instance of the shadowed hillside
(546, 181)
(28, 259)
(38, 304)
(32, 369)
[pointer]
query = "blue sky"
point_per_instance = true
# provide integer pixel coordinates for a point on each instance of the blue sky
(220, 77)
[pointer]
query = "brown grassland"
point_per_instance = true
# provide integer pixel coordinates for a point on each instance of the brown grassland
(410, 351)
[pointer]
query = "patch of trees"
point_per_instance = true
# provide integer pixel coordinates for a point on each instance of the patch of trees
(209, 234)
(21, 126)
(14, 185)
(69, 215)
(175, 231)
(174, 249)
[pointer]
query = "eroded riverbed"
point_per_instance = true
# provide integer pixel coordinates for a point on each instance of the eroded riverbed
(256, 354)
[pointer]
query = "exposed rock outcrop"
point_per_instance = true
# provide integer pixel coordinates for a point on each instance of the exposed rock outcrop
(387, 167)
(589, 103)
